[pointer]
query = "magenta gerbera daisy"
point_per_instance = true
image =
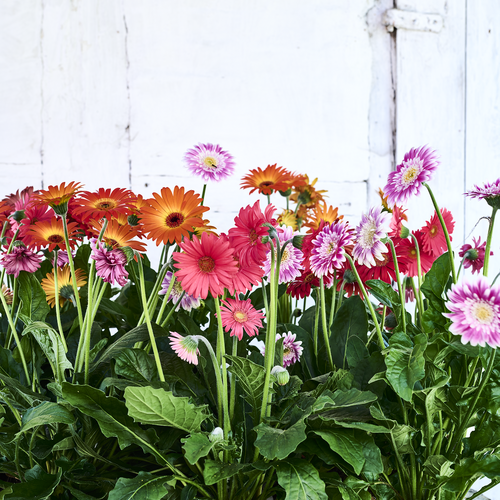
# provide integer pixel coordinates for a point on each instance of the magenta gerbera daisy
(328, 252)
(20, 259)
(475, 312)
(489, 192)
(372, 228)
(292, 348)
(240, 316)
(110, 264)
(187, 302)
(185, 347)
(210, 162)
(417, 167)
(474, 255)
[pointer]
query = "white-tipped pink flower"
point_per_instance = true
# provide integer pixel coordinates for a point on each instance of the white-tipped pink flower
(185, 347)
(210, 162)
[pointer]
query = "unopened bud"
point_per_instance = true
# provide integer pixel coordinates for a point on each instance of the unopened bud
(281, 374)
(216, 435)
(133, 220)
(297, 241)
(18, 215)
(297, 313)
(128, 252)
(265, 239)
(349, 276)
(286, 193)
(404, 233)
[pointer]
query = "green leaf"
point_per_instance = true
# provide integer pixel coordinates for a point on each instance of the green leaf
(470, 468)
(386, 295)
(215, 471)
(300, 480)
(279, 443)
(196, 446)
(343, 399)
(38, 486)
(34, 301)
(144, 486)
(405, 363)
(46, 413)
(160, 407)
(136, 364)
(350, 321)
(79, 495)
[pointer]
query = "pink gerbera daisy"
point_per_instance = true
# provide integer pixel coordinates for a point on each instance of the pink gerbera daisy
(489, 192)
(240, 316)
(372, 228)
(210, 162)
(205, 264)
(407, 256)
(474, 255)
(475, 312)
(110, 264)
(416, 168)
(328, 252)
(20, 259)
(185, 347)
(434, 240)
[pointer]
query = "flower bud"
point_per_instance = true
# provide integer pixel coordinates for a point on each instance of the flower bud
(297, 241)
(286, 193)
(404, 233)
(297, 313)
(281, 374)
(349, 276)
(216, 435)
(128, 252)
(18, 215)
(133, 220)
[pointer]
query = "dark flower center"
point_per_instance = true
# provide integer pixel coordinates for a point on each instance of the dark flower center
(253, 237)
(309, 278)
(55, 238)
(105, 204)
(174, 219)
(266, 184)
(206, 264)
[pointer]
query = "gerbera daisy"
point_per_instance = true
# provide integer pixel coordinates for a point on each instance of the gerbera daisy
(292, 349)
(105, 203)
(57, 197)
(382, 270)
(398, 231)
(51, 233)
(307, 195)
(187, 302)
(288, 218)
(240, 316)
(372, 228)
(475, 311)
(321, 213)
(328, 252)
(14, 198)
(416, 168)
(301, 286)
(291, 258)
(20, 259)
(110, 264)
(8, 294)
(272, 178)
(64, 284)
(474, 255)
(489, 192)
(407, 256)
(33, 214)
(170, 216)
(433, 235)
(205, 264)
(209, 161)
(118, 236)
(185, 347)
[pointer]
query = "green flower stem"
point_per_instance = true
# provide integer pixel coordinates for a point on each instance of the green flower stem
(232, 401)
(174, 308)
(488, 242)
(472, 408)
(8, 337)
(154, 296)
(9, 249)
(268, 199)
(316, 322)
(264, 298)
(58, 312)
(400, 288)
(368, 302)
(148, 321)
(326, 331)
(203, 194)
(445, 230)
(334, 296)
(165, 300)
(418, 295)
(341, 295)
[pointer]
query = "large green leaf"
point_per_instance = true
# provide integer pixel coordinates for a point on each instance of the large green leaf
(215, 471)
(470, 468)
(196, 446)
(159, 407)
(342, 399)
(386, 295)
(136, 364)
(300, 480)
(46, 413)
(279, 443)
(144, 486)
(38, 486)
(34, 301)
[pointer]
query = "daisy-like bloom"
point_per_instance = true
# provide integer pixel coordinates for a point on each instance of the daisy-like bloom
(407, 256)
(322, 213)
(62, 258)
(239, 316)
(475, 311)
(117, 235)
(417, 167)
(292, 349)
(171, 216)
(433, 234)
(205, 264)
(187, 302)
(301, 286)
(288, 218)
(398, 231)
(272, 178)
(185, 347)
(57, 197)
(382, 270)
(33, 214)
(14, 198)
(64, 283)
(8, 294)
(474, 255)
(20, 259)
(51, 233)
(210, 162)
(372, 228)
(328, 252)
(291, 258)
(105, 203)
(489, 192)
(307, 195)
(110, 264)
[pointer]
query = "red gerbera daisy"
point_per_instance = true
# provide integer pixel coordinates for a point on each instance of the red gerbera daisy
(433, 234)
(205, 264)
(407, 256)
(382, 270)
(105, 203)
(301, 286)
(240, 316)
(33, 215)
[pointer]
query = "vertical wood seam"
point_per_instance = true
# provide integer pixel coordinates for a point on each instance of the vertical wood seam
(127, 72)
(42, 74)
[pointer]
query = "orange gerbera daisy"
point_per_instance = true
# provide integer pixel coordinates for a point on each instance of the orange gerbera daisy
(170, 216)
(265, 181)
(57, 197)
(321, 213)
(118, 235)
(64, 284)
(384, 199)
(105, 203)
(307, 194)
(51, 233)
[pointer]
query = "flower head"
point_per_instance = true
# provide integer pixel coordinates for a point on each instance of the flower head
(489, 192)
(20, 259)
(474, 255)
(205, 264)
(322, 213)
(407, 256)
(64, 284)
(117, 235)
(51, 233)
(372, 228)
(57, 197)
(475, 311)
(110, 264)
(292, 349)
(7, 294)
(416, 168)
(185, 347)
(187, 302)
(210, 162)
(272, 178)
(301, 286)
(105, 203)
(240, 316)
(434, 239)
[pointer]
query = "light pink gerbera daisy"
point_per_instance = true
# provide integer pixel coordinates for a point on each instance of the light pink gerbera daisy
(489, 192)
(205, 264)
(210, 162)
(417, 167)
(328, 252)
(372, 228)
(291, 258)
(20, 259)
(185, 347)
(475, 312)
(110, 264)
(240, 316)
(187, 302)
(474, 255)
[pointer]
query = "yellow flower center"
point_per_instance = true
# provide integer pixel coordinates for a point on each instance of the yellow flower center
(240, 316)
(105, 204)
(210, 162)
(483, 312)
